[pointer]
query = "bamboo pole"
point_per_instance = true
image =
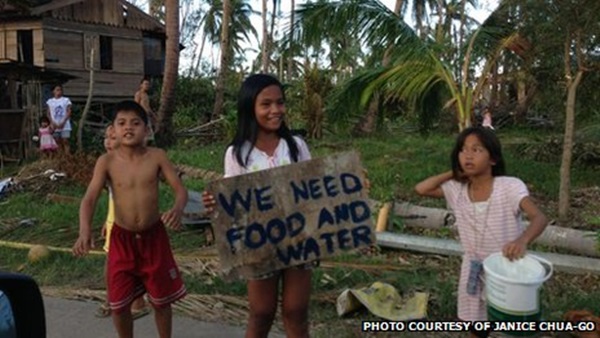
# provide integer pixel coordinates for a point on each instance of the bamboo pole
(18, 245)
(382, 218)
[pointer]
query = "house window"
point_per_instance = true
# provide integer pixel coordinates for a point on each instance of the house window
(106, 52)
(154, 56)
(25, 52)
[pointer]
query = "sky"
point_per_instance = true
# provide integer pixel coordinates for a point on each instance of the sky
(485, 8)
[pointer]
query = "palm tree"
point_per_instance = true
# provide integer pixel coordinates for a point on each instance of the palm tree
(290, 57)
(164, 128)
(369, 20)
(265, 39)
(416, 75)
(220, 86)
(240, 27)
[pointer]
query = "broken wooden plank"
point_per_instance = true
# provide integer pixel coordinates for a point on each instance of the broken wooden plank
(449, 247)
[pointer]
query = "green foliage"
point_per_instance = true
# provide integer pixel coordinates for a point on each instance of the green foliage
(194, 101)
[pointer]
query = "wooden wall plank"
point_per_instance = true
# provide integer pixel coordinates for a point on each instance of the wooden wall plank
(38, 47)
(9, 26)
(107, 85)
(128, 56)
(11, 45)
(2, 44)
(63, 50)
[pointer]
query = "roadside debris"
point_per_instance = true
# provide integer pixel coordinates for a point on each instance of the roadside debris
(383, 300)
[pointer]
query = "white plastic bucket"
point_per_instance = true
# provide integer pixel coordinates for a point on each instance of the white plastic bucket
(512, 288)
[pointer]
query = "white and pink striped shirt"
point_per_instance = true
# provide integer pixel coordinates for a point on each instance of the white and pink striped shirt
(483, 228)
(259, 160)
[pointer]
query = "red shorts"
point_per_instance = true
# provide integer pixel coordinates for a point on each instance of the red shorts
(142, 262)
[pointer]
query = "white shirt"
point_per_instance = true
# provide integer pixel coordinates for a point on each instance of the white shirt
(58, 111)
(259, 160)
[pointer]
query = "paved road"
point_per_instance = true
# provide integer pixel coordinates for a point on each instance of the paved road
(75, 319)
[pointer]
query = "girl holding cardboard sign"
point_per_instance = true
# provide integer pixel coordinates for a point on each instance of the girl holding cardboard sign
(263, 141)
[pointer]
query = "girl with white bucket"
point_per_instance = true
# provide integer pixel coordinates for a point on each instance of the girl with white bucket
(512, 288)
(488, 206)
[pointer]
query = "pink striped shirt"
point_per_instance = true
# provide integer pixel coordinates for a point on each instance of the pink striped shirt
(485, 232)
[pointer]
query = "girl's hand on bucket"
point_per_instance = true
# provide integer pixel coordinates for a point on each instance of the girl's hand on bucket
(514, 250)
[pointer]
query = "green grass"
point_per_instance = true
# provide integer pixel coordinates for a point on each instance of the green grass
(59, 269)
(395, 163)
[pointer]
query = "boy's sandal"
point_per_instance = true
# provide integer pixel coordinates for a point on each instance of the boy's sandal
(103, 311)
(139, 313)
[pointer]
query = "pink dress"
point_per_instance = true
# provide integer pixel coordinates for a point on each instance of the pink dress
(487, 121)
(484, 228)
(47, 142)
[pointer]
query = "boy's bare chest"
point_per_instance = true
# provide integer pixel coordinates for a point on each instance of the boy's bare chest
(134, 175)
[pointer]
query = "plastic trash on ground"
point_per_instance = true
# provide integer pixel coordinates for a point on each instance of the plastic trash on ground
(383, 300)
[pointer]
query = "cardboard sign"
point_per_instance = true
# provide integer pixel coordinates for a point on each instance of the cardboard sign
(290, 215)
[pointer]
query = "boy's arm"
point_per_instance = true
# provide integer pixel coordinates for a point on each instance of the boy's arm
(432, 186)
(172, 217)
(87, 207)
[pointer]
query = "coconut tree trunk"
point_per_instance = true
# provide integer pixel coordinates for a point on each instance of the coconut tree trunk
(521, 96)
(220, 85)
(164, 127)
(494, 87)
(290, 53)
(199, 56)
(265, 39)
(88, 102)
(366, 125)
(565, 166)
(439, 29)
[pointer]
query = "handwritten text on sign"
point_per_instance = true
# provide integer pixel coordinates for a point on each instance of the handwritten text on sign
(290, 215)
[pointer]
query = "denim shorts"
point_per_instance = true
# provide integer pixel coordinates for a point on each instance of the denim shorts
(62, 134)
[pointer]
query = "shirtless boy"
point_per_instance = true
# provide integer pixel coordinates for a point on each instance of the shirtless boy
(140, 257)
(141, 97)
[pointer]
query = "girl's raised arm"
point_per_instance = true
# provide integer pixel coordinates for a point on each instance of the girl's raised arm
(432, 186)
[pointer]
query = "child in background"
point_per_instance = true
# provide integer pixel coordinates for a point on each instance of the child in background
(263, 141)
(59, 114)
(487, 118)
(488, 206)
(143, 98)
(47, 144)
(140, 259)
(138, 307)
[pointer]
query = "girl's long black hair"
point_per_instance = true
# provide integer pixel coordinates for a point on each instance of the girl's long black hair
(489, 141)
(247, 126)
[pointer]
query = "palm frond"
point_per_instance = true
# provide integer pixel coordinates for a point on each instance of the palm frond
(370, 20)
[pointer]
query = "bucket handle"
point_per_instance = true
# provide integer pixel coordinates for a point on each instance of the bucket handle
(545, 263)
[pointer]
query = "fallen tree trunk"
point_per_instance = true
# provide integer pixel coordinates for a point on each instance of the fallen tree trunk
(449, 247)
(578, 241)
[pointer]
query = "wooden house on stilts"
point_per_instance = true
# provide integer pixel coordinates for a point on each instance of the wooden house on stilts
(47, 42)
